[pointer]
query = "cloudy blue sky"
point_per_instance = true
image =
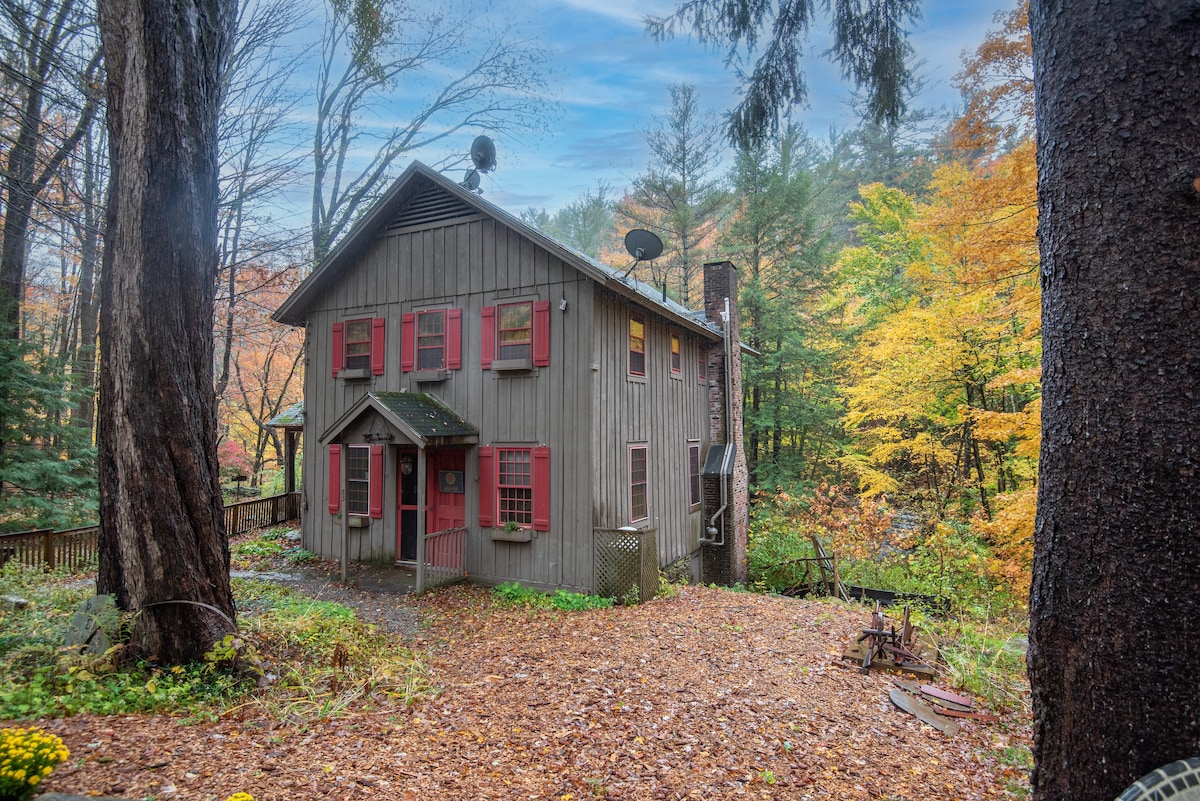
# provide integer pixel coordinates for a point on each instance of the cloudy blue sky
(606, 81)
(610, 79)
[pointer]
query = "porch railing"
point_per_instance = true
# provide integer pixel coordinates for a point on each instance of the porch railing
(78, 546)
(440, 558)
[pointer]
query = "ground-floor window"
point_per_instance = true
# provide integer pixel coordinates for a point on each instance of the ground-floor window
(694, 496)
(515, 482)
(638, 481)
(358, 480)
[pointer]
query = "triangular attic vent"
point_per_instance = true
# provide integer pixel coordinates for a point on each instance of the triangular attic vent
(432, 205)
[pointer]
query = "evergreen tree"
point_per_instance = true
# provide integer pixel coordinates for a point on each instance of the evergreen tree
(48, 466)
(585, 224)
(778, 239)
(680, 196)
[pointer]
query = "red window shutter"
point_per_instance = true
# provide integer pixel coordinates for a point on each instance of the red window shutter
(375, 483)
(377, 345)
(454, 339)
(541, 489)
(339, 348)
(408, 342)
(488, 341)
(487, 486)
(335, 479)
(541, 333)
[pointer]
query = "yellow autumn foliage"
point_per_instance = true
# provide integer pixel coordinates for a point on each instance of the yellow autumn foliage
(942, 387)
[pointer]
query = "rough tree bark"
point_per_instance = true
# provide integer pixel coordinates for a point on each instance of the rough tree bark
(163, 547)
(1115, 601)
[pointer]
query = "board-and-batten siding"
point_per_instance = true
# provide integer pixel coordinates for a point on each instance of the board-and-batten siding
(661, 411)
(467, 265)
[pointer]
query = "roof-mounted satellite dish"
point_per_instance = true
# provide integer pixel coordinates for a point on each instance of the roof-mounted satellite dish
(643, 245)
(483, 154)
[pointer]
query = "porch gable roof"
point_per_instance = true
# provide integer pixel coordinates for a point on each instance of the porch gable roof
(422, 418)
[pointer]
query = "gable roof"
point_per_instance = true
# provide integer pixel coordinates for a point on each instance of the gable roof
(421, 197)
(290, 418)
(420, 417)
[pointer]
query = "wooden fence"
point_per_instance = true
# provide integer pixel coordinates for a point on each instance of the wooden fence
(78, 546)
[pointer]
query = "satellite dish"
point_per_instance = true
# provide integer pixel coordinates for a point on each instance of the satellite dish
(483, 154)
(643, 245)
(471, 182)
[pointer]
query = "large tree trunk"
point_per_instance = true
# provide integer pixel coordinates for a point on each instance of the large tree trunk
(163, 548)
(1116, 585)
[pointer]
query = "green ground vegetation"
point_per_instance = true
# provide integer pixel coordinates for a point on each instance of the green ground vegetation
(293, 656)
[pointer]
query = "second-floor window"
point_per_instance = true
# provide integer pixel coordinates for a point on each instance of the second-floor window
(676, 355)
(431, 340)
(515, 331)
(637, 344)
(358, 344)
(516, 334)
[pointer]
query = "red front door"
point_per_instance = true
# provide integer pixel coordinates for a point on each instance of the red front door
(446, 490)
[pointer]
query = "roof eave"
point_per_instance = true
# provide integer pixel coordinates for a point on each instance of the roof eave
(293, 310)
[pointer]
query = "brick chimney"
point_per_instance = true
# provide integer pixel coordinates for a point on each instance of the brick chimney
(725, 563)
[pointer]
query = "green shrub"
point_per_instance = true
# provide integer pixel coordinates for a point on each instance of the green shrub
(258, 547)
(574, 601)
(512, 595)
(300, 556)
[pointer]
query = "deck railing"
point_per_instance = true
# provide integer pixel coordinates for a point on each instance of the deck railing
(248, 515)
(78, 546)
(440, 558)
(50, 548)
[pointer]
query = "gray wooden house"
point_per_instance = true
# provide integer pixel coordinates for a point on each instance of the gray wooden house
(481, 398)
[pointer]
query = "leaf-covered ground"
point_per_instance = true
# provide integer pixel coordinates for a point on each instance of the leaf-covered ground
(707, 695)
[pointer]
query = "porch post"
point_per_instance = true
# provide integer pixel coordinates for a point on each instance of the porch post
(421, 468)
